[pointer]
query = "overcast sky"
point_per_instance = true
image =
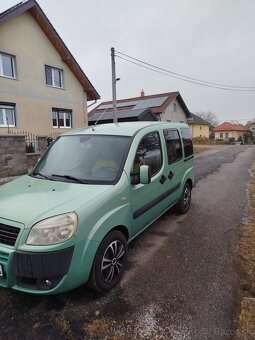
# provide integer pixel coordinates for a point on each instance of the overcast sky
(212, 40)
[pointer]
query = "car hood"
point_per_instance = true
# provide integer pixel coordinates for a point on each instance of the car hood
(28, 200)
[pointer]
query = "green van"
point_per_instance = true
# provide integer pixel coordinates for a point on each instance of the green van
(68, 222)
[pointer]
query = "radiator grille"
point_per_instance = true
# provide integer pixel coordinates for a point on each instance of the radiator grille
(8, 234)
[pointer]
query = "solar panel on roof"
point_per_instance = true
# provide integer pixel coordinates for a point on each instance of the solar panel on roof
(138, 104)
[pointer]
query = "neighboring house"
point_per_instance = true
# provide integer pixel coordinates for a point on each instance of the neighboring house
(198, 126)
(43, 90)
(165, 106)
(231, 129)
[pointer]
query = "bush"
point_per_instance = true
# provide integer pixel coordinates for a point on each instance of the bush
(30, 148)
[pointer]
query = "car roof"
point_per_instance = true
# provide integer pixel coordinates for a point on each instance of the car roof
(122, 129)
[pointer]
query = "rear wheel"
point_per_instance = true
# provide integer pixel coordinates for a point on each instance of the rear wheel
(109, 262)
(185, 201)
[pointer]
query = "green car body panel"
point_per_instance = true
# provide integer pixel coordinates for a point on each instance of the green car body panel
(100, 206)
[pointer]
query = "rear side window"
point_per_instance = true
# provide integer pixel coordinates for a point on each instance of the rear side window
(187, 142)
(173, 144)
(148, 153)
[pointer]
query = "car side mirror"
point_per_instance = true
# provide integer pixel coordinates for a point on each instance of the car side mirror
(145, 174)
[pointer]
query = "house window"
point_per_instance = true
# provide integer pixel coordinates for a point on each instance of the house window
(7, 115)
(226, 135)
(7, 65)
(173, 143)
(221, 135)
(61, 118)
(54, 76)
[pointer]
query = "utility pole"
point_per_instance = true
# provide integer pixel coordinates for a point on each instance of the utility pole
(114, 80)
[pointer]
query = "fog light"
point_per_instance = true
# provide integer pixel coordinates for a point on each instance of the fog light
(48, 283)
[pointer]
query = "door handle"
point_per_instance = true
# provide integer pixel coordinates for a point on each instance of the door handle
(163, 179)
(170, 175)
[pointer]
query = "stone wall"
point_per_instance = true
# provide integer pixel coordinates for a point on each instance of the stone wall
(32, 159)
(13, 159)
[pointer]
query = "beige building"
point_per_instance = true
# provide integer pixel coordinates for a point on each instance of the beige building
(228, 130)
(198, 126)
(165, 106)
(43, 90)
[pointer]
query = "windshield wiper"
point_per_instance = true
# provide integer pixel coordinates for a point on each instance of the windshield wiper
(42, 175)
(78, 180)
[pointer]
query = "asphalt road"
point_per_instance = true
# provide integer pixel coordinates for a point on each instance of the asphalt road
(182, 278)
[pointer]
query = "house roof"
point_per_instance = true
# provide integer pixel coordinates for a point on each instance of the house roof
(230, 126)
(198, 120)
(123, 116)
(35, 10)
(156, 102)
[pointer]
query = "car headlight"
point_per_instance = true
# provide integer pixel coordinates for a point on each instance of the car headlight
(53, 230)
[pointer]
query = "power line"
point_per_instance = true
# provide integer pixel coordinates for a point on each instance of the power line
(182, 77)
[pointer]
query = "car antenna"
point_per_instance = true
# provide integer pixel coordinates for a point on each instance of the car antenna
(93, 128)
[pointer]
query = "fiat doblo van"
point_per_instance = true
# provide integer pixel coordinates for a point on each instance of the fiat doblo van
(68, 222)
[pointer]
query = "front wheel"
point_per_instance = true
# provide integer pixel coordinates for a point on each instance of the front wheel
(109, 262)
(185, 201)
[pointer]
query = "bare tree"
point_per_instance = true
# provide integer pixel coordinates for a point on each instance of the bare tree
(209, 116)
(251, 121)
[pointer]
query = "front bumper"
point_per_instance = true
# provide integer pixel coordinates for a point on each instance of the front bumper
(41, 271)
(34, 270)
(48, 272)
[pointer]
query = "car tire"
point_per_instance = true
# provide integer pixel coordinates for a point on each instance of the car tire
(185, 201)
(109, 262)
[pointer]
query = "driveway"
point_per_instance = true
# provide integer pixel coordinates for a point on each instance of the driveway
(182, 278)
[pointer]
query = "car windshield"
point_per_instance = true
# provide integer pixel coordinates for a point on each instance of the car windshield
(83, 159)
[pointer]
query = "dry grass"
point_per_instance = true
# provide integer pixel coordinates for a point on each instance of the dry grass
(246, 320)
(200, 148)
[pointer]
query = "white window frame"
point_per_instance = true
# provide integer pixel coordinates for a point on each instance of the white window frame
(3, 107)
(13, 62)
(66, 112)
(54, 84)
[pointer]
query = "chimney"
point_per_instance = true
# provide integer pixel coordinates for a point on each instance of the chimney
(142, 93)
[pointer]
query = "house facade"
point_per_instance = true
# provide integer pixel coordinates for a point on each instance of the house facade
(43, 90)
(165, 106)
(227, 130)
(198, 126)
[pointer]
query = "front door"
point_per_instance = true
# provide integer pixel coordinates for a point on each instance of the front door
(147, 199)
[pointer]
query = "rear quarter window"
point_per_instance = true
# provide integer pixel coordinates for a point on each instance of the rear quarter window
(187, 142)
(173, 145)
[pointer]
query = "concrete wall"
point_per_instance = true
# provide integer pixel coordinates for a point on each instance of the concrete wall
(23, 38)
